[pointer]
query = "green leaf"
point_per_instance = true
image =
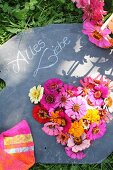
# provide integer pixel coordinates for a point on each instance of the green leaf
(2, 84)
(62, 1)
(13, 30)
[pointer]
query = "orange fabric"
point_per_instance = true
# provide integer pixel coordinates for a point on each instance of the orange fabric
(18, 145)
(17, 148)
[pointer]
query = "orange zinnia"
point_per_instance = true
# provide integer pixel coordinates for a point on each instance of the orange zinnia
(76, 129)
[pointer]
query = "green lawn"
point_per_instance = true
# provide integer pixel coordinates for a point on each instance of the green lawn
(19, 15)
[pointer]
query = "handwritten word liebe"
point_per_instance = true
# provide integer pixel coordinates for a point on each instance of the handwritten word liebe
(36, 49)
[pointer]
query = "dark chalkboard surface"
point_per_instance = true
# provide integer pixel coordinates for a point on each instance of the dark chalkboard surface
(32, 57)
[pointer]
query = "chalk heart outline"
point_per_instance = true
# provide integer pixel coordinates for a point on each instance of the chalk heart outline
(56, 50)
(47, 66)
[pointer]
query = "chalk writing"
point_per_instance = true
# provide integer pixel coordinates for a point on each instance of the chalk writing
(29, 53)
(53, 54)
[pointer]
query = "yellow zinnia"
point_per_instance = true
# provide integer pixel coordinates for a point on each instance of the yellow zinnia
(92, 115)
(76, 129)
(36, 94)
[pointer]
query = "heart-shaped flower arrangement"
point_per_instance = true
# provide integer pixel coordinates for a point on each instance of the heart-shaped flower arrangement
(76, 116)
(98, 32)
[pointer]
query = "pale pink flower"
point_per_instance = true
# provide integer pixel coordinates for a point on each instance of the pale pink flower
(52, 129)
(73, 155)
(78, 144)
(62, 138)
(96, 131)
(105, 115)
(96, 35)
(76, 107)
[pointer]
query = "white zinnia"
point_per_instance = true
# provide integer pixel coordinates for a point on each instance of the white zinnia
(36, 94)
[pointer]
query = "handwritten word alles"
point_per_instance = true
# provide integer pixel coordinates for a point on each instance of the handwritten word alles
(36, 49)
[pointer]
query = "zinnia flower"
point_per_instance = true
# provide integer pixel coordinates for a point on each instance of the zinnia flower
(53, 85)
(73, 155)
(105, 115)
(62, 138)
(40, 114)
(62, 119)
(76, 107)
(52, 129)
(92, 115)
(48, 100)
(109, 102)
(71, 90)
(94, 10)
(97, 95)
(76, 128)
(36, 94)
(96, 35)
(78, 143)
(96, 131)
(61, 99)
(81, 3)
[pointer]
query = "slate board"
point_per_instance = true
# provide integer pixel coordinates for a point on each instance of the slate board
(32, 57)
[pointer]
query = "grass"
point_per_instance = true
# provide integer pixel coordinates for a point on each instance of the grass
(19, 15)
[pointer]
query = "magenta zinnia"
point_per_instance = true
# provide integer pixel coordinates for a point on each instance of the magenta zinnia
(96, 131)
(96, 35)
(53, 85)
(48, 100)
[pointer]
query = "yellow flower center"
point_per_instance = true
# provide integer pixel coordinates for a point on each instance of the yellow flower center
(97, 35)
(95, 130)
(42, 114)
(78, 140)
(76, 107)
(36, 93)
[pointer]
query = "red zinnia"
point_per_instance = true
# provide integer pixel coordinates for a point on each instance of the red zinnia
(40, 114)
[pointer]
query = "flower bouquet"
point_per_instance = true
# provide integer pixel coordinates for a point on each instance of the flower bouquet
(94, 15)
(76, 116)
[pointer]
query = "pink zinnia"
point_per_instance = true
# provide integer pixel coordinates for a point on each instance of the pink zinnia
(71, 90)
(48, 100)
(52, 129)
(76, 107)
(73, 155)
(96, 35)
(94, 101)
(52, 85)
(61, 99)
(78, 144)
(98, 95)
(94, 10)
(96, 131)
(103, 91)
(62, 138)
(81, 3)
